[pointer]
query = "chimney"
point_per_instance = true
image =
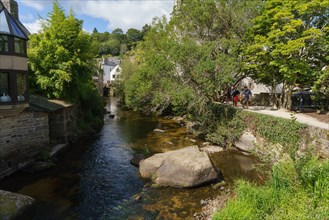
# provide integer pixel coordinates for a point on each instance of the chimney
(12, 7)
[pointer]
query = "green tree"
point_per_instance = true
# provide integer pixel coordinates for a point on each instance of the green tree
(145, 29)
(95, 30)
(133, 36)
(118, 35)
(61, 59)
(184, 63)
(286, 43)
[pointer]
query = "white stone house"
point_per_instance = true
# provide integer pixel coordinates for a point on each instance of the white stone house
(111, 70)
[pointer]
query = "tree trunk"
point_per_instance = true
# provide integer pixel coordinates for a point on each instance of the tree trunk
(282, 96)
(287, 97)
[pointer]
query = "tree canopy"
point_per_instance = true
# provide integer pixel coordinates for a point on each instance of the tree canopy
(185, 61)
(62, 61)
(208, 44)
(118, 43)
(287, 42)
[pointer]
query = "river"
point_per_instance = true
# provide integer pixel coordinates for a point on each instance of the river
(93, 179)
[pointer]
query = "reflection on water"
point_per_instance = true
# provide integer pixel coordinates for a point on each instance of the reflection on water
(94, 178)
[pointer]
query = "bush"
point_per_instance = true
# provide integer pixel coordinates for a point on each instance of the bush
(227, 131)
(92, 109)
(315, 177)
(290, 194)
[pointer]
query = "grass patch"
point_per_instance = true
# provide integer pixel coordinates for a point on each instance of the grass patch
(297, 190)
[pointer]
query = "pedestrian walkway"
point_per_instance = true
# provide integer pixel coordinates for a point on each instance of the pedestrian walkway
(283, 113)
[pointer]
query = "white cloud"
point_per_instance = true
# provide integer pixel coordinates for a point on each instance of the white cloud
(38, 5)
(123, 14)
(33, 27)
(26, 17)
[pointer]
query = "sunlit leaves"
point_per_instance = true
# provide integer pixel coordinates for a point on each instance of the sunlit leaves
(61, 56)
(290, 32)
(183, 64)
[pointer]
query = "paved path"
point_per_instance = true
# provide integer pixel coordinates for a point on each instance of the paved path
(283, 113)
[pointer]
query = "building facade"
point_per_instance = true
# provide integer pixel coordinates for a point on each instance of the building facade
(14, 95)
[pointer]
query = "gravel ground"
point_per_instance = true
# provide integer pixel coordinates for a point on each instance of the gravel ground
(212, 205)
(313, 119)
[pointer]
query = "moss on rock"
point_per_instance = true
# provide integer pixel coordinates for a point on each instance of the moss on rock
(12, 204)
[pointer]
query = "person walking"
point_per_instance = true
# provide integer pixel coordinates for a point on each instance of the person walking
(246, 97)
(228, 94)
(235, 95)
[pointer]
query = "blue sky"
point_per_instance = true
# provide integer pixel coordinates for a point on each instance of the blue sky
(105, 15)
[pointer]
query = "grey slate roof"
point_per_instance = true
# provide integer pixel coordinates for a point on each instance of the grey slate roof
(41, 104)
(11, 26)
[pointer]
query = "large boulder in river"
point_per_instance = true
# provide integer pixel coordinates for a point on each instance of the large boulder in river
(12, 204)
(187, 167)
(247, 142)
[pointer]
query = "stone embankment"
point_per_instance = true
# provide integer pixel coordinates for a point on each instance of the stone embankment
(315, 135)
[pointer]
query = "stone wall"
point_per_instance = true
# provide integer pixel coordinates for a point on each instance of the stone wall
(62, 125)
(22, 137)
(12, 7)
(318, 139)
(310, 139)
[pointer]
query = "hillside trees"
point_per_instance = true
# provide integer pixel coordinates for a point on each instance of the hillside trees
(118, 43)
(61, 60)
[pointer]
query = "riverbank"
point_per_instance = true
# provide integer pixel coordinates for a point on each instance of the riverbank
(94, 178)
(274, 134)
(98, 172)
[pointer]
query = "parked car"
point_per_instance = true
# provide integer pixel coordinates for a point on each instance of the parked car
(309, 100)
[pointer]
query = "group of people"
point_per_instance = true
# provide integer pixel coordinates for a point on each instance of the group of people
(234, 93)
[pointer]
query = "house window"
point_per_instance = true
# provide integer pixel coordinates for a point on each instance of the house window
(19, 46)
(3, 43)
(113, 76)
(21, 86)
(4, 87)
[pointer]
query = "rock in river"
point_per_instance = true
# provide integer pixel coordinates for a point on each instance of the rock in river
(12, 204)
(187, 167)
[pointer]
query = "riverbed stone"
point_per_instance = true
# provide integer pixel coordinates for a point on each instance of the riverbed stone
(12, 204)
(210, 149)
(38, 166)
(186, 167)
(246, 142)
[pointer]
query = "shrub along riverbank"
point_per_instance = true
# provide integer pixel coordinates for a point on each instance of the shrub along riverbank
(297, 185)
(296, 190)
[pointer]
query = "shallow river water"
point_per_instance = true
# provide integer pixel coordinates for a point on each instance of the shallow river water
(93, 179)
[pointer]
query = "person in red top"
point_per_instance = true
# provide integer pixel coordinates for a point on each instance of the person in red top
(235, 95)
